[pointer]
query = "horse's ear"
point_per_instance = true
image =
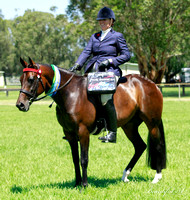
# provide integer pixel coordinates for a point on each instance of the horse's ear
(31, 61)
(24, 63)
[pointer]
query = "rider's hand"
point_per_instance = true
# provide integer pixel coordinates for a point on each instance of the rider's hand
(75, 67)
(104, 64)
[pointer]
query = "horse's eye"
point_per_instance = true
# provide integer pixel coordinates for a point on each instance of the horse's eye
(31, 80)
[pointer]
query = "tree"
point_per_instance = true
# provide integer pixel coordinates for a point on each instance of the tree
(7, 48)
(155, 30)
(43, 37)
(174, 66)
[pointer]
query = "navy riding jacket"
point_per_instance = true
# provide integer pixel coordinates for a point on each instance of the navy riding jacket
(113, 46)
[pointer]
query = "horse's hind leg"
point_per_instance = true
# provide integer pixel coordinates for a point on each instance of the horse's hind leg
(131, 130)
(157, 150)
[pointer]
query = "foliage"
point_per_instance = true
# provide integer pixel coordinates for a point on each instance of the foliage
(174, 66)
(45, 38)
(39, 35)
(7, 48)
(36, 163)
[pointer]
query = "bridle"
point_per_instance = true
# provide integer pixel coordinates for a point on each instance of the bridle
(33, 95)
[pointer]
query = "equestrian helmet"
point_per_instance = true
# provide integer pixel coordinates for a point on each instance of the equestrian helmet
(105, 13)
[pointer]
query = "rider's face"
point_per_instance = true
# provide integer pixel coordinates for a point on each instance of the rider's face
(105, 24)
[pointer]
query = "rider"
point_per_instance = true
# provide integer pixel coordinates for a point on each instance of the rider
(109, 50)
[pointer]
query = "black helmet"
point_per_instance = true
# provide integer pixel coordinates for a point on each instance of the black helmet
(105, 13)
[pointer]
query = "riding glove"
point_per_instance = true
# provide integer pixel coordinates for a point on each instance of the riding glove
(104, 64)
(75, 67)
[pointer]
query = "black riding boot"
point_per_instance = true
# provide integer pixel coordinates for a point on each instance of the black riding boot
(111, 119)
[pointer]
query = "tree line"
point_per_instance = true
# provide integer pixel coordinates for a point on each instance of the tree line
(157, 33)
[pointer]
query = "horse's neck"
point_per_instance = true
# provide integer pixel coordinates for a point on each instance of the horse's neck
(66, 77)
(47, 76)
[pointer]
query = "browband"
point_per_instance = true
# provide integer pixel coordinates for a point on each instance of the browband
(38, 71)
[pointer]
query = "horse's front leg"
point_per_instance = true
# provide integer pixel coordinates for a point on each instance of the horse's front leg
(84, 143)
(75, 154)
(73, 141)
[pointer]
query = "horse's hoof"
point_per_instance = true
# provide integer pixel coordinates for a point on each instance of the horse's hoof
(125, 180)
(85, 185)
(125, 176)
(157, 178)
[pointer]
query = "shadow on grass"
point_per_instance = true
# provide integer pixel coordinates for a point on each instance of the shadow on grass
(139, 178)
(20, 189)
(94, 182)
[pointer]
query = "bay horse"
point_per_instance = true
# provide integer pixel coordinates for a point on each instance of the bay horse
(136, 100)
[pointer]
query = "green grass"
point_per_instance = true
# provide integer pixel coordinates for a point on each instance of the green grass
(35, 163)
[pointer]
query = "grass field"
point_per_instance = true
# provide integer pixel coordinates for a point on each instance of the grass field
(35, 163)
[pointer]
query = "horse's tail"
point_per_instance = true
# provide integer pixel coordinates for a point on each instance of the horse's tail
(156, 158)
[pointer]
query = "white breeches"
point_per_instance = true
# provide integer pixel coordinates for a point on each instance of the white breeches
(105, 98)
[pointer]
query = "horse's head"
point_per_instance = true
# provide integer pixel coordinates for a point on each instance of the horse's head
(30, 87)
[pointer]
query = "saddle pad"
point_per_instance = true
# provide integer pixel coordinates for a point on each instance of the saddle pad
(101, 83)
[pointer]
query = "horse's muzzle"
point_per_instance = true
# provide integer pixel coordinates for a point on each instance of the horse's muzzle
(23, 107)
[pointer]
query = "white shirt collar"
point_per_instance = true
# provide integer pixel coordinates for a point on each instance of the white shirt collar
(104, 33)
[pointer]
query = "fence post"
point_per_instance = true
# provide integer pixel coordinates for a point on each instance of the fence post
(183, 86)
(179, 91)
